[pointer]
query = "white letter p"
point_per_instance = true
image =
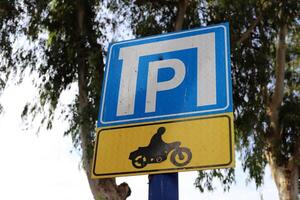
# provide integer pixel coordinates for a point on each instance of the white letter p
(153, 86)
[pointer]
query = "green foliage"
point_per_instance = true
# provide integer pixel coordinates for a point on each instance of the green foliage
(253, 65)
(52, 30)
(54, 44)
(289, 119)
(150, 18)
(205, 179)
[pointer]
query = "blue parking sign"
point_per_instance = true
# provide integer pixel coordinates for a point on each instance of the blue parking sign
(168, 76)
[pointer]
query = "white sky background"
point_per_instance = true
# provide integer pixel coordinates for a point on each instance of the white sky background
(42, 167)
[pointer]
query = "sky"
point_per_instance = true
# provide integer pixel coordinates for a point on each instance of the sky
(45, 165)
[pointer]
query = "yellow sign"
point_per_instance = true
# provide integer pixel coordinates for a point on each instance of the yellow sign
(165, 146)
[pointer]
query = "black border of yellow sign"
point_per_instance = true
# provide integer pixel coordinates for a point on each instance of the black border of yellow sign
(170, 169)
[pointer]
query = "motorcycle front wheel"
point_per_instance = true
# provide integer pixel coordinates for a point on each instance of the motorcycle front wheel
(139, 161)
(181, 156)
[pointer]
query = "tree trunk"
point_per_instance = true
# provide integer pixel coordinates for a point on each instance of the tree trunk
(285, 172)
(102, 189)
(286, 180)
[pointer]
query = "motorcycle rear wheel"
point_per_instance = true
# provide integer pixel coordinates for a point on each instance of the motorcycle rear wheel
(181, 156)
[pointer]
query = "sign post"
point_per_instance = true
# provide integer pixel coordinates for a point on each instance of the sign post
(163, 186)
(166, 106)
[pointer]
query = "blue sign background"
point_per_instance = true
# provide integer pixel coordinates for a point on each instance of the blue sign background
(174, 103)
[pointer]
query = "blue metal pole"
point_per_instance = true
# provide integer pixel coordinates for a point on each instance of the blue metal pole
(163, 186)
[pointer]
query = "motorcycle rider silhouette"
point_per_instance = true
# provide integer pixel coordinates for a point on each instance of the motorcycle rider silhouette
(156, 142)
(158, 150)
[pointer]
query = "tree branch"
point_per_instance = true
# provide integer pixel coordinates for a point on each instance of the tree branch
(182, 5)
(277, 97)
(246, 34)
(297, 149)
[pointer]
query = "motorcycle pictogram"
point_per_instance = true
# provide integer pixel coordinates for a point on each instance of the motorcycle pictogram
(157, 151)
